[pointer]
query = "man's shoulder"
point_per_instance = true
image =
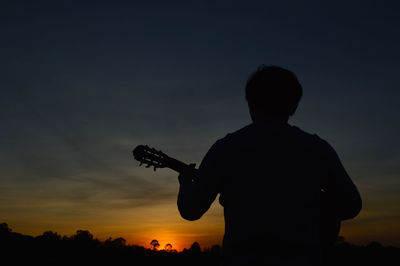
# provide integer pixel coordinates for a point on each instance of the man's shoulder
(293, 131)
(314, 141)
(231, 136)
(288, 129)
(305, 134)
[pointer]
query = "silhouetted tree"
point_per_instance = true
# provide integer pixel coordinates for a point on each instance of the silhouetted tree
(195, 248)
(374, 245)
(154, 244)
(82, 235)
(49, 236)
(84, 239)
(118, 242)
(4, 228)
(168, 247)
(5, 233)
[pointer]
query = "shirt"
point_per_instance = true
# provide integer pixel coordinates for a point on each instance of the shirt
(269, 178)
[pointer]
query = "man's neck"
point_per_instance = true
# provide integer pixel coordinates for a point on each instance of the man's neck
(273, 120)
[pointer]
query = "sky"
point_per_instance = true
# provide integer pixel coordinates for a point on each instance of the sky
(83, 82)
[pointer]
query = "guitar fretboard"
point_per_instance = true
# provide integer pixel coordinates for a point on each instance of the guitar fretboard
(177, 165)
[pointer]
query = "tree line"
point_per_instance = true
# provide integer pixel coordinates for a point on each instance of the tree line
(50, 248)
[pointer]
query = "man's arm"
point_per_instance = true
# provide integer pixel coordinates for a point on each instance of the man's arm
(197, 193)
(343, 196)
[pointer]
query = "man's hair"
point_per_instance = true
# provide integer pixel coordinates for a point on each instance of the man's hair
(273, 90)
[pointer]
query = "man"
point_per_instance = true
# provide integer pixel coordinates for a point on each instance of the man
(275, 181)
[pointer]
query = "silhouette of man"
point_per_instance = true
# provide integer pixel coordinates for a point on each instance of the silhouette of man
(271, 177)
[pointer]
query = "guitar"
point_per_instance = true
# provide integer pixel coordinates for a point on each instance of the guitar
(329, 226)
(157, 159)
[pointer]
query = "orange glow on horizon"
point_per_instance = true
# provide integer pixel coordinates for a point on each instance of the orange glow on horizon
(140, 225)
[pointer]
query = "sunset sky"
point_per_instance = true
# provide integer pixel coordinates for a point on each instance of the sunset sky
(83, 84)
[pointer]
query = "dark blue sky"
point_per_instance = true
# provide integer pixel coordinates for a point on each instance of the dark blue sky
(83, 83)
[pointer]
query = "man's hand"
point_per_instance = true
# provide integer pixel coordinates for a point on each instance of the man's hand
(189, 175)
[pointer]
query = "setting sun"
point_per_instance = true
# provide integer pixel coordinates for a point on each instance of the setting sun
(166, 242)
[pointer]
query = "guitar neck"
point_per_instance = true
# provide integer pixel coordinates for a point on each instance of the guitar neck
(177, 165)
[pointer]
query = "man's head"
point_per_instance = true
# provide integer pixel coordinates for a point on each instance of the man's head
(272, 92)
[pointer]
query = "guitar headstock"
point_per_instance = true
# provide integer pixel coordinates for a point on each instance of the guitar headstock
(150, 156)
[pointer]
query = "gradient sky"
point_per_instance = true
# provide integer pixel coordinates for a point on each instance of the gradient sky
(83, 83)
